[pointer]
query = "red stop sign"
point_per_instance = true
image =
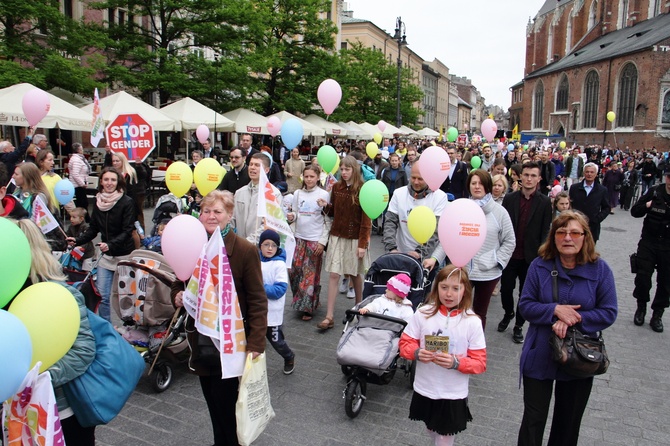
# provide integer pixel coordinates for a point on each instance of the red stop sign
(131, 135)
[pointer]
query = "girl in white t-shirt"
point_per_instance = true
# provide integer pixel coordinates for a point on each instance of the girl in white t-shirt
(447, 340)
(312, 228)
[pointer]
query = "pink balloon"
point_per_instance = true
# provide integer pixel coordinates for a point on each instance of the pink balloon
(202, 132)
(381, 125)
(434, 165)
(182, 241)
(462, 230)
(555, 191)
(501, 145)
(489, 129)
(330, 95)
(36, 105)
(274, 125)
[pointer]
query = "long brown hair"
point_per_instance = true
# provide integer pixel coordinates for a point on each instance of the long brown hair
(433, 300)
(356, 176)
(588, 253)
(317, 170)
(33, 183)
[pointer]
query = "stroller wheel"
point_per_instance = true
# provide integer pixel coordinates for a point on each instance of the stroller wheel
(347, 370)
(161, 377)
(354, 397)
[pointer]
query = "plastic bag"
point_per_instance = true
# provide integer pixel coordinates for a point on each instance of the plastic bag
(253, 410)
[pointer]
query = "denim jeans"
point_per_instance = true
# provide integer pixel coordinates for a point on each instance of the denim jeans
(104, 284)
(276, 337)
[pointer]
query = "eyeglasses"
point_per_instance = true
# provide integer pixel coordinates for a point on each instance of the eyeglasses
(561, 233)
(268, 245)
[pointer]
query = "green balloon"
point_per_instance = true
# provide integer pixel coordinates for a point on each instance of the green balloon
(452, 134)
(476, 162)
(327, 158)
(374, 197)
(14, 260)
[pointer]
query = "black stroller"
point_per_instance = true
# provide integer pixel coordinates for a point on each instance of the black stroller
(387, 266)
(368, 349)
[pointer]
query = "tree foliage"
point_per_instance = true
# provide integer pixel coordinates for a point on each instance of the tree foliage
(369, 88)
(42, 46)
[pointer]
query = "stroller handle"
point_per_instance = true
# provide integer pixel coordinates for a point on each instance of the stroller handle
(351, 313)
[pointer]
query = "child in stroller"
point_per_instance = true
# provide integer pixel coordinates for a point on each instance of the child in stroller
(368, 350)
(141, 298)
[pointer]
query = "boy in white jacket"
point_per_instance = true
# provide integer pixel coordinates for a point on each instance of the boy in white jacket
(275, 281)
(394, 303)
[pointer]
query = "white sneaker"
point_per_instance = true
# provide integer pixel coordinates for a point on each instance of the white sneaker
(351, 293)
(344, 284)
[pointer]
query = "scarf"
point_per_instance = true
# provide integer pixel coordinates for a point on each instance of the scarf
(105, 201)
(482, 201)
(225, 231)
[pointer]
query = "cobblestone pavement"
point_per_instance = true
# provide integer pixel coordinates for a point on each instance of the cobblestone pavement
(629, 405)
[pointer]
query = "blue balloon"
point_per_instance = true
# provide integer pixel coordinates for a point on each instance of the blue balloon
(291, 133)
(16, 351)
(510, 147)
(64, 191)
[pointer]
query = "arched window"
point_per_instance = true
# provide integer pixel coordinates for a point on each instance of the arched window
(665, 117)
(625, 114)
(538, 105)
(591, 90)
(592, 14)
(562, 94)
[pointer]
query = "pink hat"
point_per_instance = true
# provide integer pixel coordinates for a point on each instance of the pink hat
(400, 285)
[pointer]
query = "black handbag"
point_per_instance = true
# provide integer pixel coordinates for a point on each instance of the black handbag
(577, 354)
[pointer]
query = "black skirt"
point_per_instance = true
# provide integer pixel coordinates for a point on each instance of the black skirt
(446, 417)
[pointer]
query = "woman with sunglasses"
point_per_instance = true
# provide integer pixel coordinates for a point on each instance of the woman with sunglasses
(587, 301)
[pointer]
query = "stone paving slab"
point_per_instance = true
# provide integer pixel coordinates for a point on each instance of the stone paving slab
(629, 405)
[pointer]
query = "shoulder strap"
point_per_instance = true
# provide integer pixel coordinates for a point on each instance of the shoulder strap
(554, 284)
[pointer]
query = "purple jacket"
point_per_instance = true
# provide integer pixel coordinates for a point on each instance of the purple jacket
(591, 286)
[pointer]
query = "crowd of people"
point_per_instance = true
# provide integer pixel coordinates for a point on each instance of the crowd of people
(543, 207)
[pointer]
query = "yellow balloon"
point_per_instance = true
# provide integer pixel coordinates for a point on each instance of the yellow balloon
(421, 223)
(377, 137)
(611, 116)
(51, 314)
(372, 149)
(562, 145)
(178, 178)
(208, 174)
(337, 166)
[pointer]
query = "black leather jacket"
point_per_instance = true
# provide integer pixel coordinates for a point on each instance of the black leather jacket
(115, 227)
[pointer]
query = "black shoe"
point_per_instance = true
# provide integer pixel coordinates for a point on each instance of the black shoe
(289, 366)
(504, 323)
(517, 334)
(640, 313)
(656, 323)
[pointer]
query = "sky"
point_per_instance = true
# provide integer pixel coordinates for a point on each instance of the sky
(483, 40)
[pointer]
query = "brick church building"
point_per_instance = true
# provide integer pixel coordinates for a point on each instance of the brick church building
(585, 58)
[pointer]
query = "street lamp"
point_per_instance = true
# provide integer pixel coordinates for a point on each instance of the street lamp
(399, 37)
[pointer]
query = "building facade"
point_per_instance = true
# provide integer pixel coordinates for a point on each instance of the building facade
(586, 58)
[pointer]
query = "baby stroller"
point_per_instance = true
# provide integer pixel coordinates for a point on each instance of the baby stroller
(141, 298)
(387, 266)
(368, 352)
(84, 281)
(167, 207)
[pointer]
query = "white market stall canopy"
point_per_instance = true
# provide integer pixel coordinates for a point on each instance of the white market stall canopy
(359, 131)
(352, 131)
(61, 114)
(247, 121)
(370, 130)
(308, 129)
(123, 103)
(329, 127)
(404, 130)
(191, 114)
(428, 132)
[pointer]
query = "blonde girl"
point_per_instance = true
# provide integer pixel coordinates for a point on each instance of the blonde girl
(440, 396)
(349, 235)
(500, 187)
